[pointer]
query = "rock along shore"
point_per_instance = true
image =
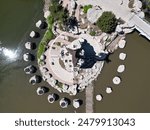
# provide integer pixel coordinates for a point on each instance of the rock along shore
(46, 5)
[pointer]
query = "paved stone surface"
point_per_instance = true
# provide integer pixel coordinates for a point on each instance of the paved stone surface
(121, 10)
(89, 99)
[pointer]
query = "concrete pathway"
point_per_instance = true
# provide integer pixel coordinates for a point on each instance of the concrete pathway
(89, 99)
(121, 10)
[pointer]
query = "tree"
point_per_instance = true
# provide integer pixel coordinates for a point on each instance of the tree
(107, 22)
(63, 16)
(58, 13)
(71, 23)
(86, 8)
(55, 8)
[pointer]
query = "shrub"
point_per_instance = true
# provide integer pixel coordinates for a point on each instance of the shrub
(58, 12)
(107, 22)
(92, 33)
(86, 8)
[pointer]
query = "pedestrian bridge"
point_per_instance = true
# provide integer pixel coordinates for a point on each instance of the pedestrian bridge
(141, 25)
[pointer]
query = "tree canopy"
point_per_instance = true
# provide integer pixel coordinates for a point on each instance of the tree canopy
(86, 8)
(107, 22)
(58, 12)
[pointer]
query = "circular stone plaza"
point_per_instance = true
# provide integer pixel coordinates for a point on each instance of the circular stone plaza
(75, 57)
(71, 62)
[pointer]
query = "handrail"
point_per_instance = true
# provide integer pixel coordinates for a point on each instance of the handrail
(139, 28)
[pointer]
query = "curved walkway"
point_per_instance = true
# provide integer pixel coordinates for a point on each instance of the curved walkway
(56, 70)
(53, 56)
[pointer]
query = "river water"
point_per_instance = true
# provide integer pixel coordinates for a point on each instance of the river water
(133, 94)
(17, 20)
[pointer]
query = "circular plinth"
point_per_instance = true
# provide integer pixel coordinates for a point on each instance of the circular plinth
(32, 34)
(51, 98)
(35, 79)
(122, 56)
(116, 80)
(109, 90)
(41, 24)
(121, 68)
(46, 14)
(38, 24)
(122, 43)
(30, 69)
(64, 103)
(43, 57)
(99, 97)
(76, 103)
(28, 57)
(40, 91)
(28, 45)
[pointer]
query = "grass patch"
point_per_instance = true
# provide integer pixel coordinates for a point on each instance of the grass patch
(46, 38)
(92, 33)
(58, 13)
(41, 49)
(86, 8)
